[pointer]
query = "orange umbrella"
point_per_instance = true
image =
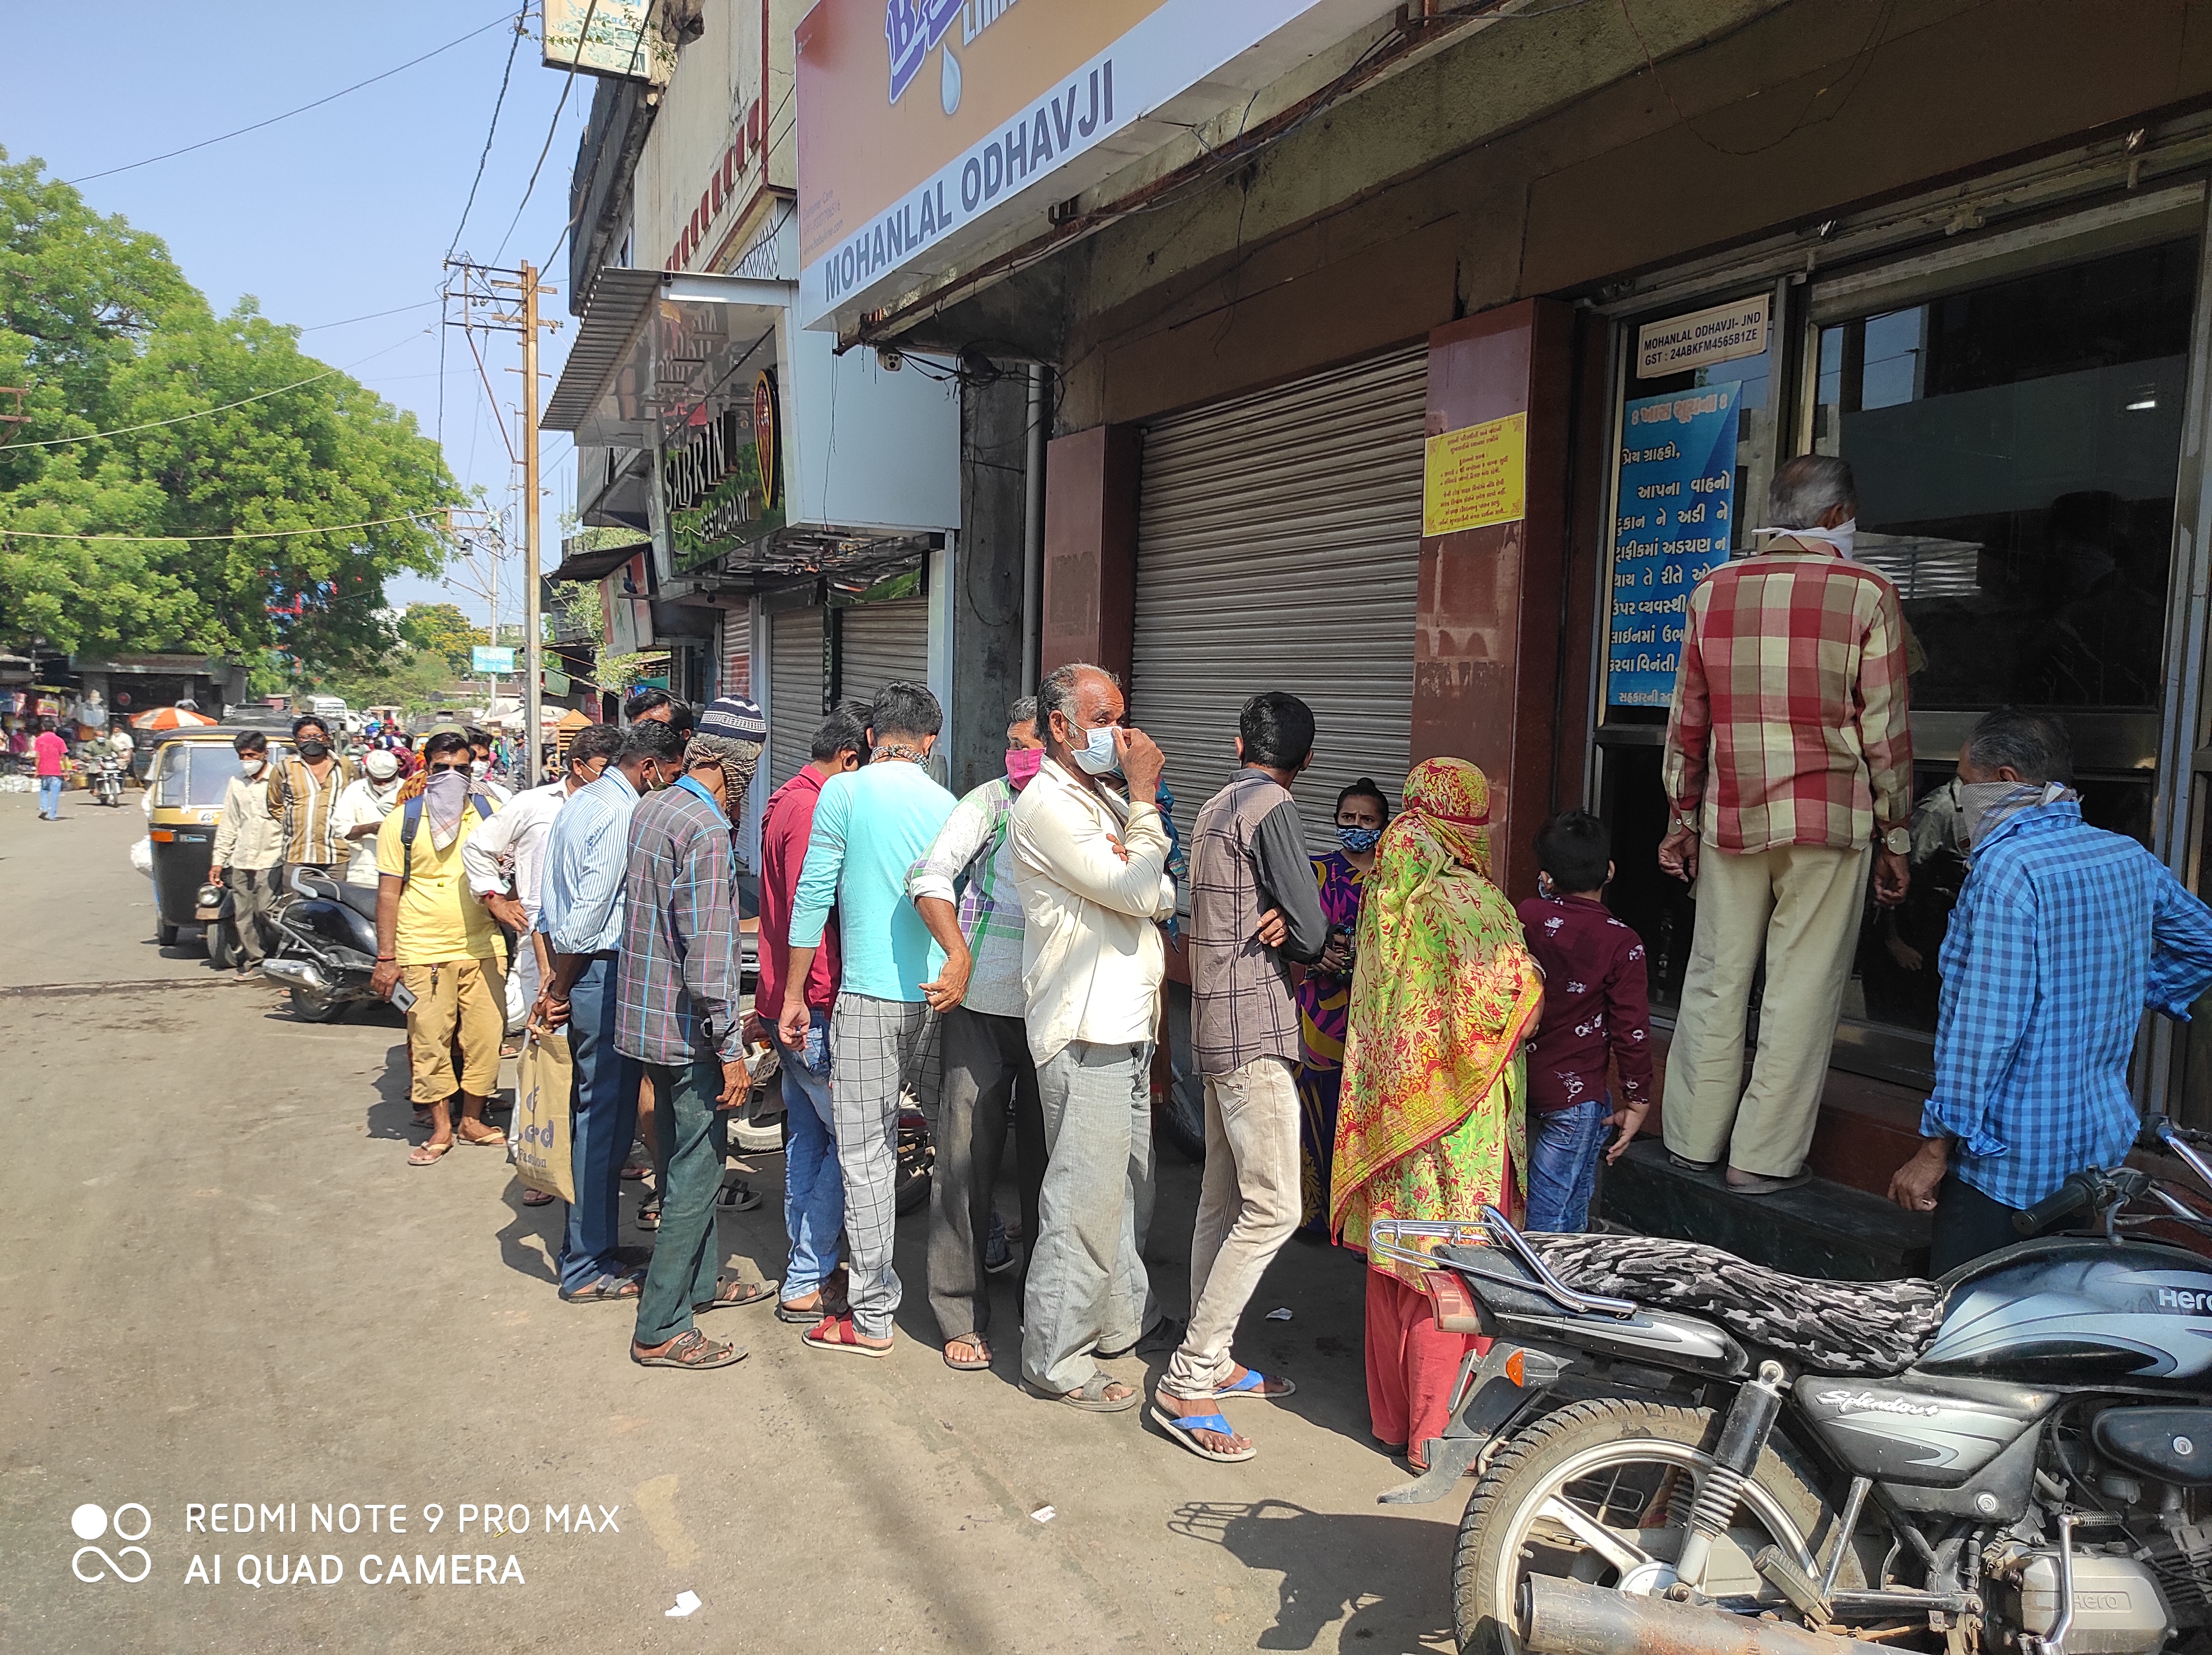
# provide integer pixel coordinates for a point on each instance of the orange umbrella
(170, 718)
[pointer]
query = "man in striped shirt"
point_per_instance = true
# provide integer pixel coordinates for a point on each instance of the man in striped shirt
(1789, 770)
(303, 796)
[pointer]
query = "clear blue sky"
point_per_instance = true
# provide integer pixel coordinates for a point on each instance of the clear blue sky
(344, 210)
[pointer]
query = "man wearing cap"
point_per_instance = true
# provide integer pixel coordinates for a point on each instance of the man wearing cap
(361, 808)
(678, 1011)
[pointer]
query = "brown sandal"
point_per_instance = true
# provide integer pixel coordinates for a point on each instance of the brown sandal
(689, 1349)
(425, 1155)
(731, 1295)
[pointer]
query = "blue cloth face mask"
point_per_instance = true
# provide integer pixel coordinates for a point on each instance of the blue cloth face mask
(1097, 756)
(1356, 840)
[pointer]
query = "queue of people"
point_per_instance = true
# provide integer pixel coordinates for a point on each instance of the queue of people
(1380, 1034)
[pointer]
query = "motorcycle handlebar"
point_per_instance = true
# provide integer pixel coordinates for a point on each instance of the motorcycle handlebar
(2079, 1191)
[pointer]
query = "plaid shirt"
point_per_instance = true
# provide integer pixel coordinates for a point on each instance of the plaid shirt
(2061, 935)
(1248, 855)
(677, 996)
(1791, 721)
(973, 844)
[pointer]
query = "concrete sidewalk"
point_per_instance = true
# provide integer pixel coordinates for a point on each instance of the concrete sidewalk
(221, 1285)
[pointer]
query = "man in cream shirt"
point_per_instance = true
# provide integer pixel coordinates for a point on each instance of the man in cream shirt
(1092, 869)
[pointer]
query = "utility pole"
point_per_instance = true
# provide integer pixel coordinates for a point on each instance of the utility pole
(481, 292)
(532, 626)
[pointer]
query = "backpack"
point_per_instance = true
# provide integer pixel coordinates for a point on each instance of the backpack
(411, 820)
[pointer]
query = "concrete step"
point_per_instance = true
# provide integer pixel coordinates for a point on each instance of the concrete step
(1821, 1229)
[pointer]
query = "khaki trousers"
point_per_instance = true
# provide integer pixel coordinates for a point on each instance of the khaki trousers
(1801, 906)
(1249, 1203)
(463, 996)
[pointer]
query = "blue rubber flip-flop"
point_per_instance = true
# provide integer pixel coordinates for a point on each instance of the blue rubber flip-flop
(1252, 1385)
(1184, 1428)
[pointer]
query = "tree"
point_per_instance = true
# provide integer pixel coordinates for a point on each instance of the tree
(105, 333)
(442, 629)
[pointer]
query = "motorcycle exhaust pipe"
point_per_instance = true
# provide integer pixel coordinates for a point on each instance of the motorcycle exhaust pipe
(296, 973)
(1565, 1618)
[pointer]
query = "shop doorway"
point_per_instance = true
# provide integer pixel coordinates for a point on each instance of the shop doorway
(2016, 441)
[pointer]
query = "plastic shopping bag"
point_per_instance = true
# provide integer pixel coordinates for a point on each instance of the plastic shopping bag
(543, 1077)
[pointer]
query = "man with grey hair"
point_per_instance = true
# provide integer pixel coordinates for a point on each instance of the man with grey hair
(1092, 867)
(1789, 768)
(2063, 934)
(988, 1072)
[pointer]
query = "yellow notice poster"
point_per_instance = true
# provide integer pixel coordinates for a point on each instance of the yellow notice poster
(1476, 476)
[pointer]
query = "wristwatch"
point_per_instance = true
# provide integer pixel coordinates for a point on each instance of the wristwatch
(1898, 841)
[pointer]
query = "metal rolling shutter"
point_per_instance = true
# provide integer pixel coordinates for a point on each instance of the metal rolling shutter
(736, 653)
(880, 643)
(795, 691)
(1278, 547)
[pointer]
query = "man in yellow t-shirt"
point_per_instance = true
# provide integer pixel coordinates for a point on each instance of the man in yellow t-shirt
(433, 934)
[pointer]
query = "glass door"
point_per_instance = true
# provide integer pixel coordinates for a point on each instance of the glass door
(2016, 446)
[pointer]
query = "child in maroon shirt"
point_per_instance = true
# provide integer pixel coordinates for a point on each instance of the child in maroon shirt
(1596, 1007)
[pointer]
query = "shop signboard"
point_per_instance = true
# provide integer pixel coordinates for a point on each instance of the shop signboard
(1719, 333)
(616, 39)
(1673, 518)
(899, 157)
(485, 657)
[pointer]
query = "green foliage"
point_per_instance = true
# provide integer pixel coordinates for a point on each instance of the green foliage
(443, 630)
(416, 679)
(103, 331)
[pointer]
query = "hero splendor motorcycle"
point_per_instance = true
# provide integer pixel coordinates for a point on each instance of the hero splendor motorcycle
(1682, 1453)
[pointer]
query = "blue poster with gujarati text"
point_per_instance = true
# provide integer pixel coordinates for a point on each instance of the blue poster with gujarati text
(1671, 523)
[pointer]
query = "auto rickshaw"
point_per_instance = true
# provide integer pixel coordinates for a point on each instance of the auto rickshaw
(185, 781)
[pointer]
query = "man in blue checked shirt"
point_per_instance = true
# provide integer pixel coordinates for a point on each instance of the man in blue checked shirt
(679, 1010)
(2062, 935)
(581, 911)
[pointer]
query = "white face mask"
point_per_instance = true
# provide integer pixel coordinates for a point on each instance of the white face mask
(252, 767)
(480, 769)
(1841, 536)
(1096, 756)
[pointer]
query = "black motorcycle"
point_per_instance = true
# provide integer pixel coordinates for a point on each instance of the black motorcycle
(324, 950)
(1683, 1453)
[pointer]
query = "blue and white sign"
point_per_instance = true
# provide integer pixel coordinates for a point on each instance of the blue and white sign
(484, 658)
(1673, 519)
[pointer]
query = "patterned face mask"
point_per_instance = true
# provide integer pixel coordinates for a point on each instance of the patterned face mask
(1357, 839)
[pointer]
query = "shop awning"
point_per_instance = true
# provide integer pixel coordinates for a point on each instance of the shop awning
(594, 562)
(656, 347)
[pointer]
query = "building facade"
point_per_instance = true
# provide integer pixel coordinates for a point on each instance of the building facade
(1417, 361)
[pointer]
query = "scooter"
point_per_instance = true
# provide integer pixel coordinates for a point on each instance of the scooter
(1680, 1452)
(324, 950)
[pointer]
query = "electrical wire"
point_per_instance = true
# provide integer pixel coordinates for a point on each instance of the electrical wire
(224, 138)
(396, 310)
(263, 534)
(498, 104)
(553, 127)
(201, 413)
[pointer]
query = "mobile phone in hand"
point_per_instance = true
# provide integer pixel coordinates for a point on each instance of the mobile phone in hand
(402, 997)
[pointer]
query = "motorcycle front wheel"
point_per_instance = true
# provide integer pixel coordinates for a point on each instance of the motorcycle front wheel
(1600, 1492)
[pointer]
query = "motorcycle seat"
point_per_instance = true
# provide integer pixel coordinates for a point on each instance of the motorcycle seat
(1831, 1327)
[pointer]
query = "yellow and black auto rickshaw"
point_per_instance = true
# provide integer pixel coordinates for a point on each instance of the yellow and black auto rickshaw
(186, 782)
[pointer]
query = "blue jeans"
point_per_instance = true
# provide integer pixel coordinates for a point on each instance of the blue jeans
(1562, 1151)
(813, 1187)
(50, 795)
(601, 1126)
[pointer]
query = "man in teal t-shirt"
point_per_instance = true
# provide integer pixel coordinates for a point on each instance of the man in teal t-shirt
(871, 826)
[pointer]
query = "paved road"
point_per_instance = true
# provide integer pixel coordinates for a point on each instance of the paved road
(221, 1286)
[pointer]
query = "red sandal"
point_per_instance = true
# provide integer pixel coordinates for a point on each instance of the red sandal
(839, 1333)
